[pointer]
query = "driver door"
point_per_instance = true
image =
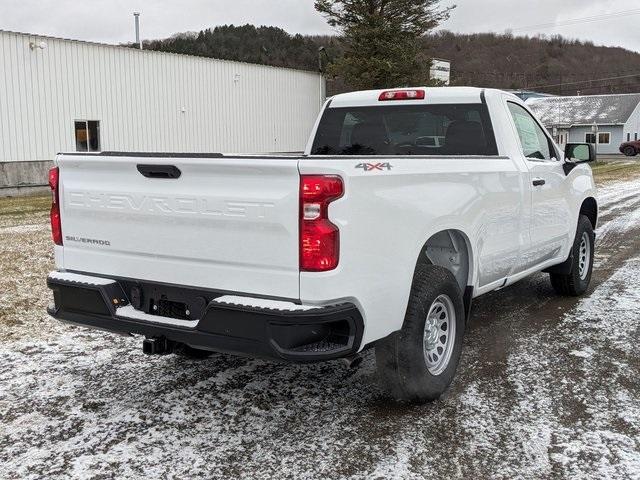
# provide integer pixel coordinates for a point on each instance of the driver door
(550, 222)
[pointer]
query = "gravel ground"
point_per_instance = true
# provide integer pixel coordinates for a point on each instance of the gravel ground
(547, 388)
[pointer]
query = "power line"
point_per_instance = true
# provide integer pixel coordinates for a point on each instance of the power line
(609, 88)
(575, 21)
(586, 81)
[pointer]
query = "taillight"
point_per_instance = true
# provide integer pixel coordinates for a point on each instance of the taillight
(401, 95)
(56, 224)
(319, 238)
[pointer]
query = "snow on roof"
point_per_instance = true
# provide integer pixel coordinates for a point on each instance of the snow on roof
(585, 110)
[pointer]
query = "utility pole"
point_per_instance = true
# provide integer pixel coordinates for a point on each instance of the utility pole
(137, 20)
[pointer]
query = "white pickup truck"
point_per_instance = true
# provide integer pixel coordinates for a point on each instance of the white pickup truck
(406, 205)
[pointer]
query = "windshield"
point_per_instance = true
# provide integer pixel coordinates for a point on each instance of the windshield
(453, 129)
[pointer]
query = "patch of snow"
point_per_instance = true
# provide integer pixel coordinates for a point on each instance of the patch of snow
(19, 229)
(584, 353)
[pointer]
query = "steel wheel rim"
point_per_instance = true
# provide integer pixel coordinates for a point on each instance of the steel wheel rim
(439, 334)
(584, 256)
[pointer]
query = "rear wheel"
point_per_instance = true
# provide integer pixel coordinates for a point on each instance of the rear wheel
(418, 363)
(630, 151)
(576, 282)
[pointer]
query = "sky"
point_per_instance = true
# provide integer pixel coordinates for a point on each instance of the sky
(111, 21)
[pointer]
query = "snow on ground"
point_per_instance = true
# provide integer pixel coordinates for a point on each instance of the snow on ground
(88, 404)
(547, 388)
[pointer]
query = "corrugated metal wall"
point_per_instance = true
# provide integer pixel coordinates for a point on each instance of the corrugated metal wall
(147, 101)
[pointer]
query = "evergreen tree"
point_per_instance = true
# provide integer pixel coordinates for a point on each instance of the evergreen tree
(383, 40)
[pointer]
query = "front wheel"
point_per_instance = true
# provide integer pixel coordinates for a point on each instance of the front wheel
(418, 363)
(630, 151)
(576, 282)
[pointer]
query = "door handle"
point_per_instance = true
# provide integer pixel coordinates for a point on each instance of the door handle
(159, 171)
(538, 182)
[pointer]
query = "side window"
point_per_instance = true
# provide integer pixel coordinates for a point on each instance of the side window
(535, 143)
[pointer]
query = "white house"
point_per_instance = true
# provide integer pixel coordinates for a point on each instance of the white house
(66, 95)
(607, 120)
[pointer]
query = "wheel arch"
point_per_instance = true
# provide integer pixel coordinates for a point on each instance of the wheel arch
(589, 208)
(451, 249)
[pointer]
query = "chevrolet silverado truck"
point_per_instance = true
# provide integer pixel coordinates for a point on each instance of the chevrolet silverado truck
(406, 205)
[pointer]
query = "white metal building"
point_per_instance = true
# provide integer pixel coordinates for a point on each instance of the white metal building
(65, 95)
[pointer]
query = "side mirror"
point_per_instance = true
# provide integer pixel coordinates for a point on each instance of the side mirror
(575, 153)
(580, 152)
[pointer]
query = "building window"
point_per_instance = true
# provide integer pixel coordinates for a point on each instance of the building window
(636, 135)
(604, 138)
(628, 137)
(87, 135)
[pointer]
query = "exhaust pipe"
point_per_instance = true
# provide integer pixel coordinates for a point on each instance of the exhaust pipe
(157, 346)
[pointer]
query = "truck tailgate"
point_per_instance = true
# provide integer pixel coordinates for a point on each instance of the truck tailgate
(226, 223)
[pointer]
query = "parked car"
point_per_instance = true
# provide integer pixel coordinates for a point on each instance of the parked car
(371, 238)
(630, 149)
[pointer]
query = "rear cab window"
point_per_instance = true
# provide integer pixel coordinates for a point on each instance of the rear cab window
(442, 129)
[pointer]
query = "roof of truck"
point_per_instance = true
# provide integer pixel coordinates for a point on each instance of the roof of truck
(433, 95)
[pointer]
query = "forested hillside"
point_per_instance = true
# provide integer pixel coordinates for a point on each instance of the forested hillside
(486, 59)
(531, 62)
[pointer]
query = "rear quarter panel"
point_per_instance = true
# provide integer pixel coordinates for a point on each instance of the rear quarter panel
(385, 218)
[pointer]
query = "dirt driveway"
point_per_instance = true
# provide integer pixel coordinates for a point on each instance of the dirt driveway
(548, 387)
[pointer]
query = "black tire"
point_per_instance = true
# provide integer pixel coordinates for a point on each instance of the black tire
(193, 353)
(401, 359)
(576, 282)
(630, 151)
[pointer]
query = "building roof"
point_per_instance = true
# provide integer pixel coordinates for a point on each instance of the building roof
(585, 110)
(35, 36)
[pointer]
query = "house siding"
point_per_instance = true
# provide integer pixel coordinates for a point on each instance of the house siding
(577, 135)
(632, 127)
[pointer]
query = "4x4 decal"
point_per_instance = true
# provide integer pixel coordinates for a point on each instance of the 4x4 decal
(369, 167)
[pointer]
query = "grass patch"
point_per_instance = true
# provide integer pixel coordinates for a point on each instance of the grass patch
(24, 206)
(604, 172)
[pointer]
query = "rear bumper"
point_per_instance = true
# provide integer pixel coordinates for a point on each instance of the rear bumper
(237, 325)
